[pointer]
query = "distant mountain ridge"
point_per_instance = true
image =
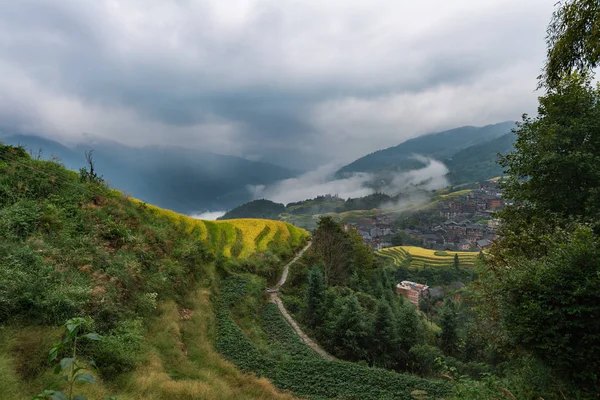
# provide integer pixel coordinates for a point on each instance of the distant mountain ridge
(479, 162)
(180, 179)
(441, 146)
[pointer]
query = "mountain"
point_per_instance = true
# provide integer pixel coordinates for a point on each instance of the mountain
(184, 180)
(442, 145)
(479, 162)
(266, 209)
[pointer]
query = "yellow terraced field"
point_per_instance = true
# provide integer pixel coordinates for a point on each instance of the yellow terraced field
(421, 256)
(223, 234)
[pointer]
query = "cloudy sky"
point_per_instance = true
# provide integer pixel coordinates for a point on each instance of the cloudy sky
(295, 82)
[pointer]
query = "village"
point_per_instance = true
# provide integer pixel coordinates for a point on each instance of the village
(462, 223)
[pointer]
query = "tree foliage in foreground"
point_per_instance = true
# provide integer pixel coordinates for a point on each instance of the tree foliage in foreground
(555, 168)
(573, 40)
(540, 292)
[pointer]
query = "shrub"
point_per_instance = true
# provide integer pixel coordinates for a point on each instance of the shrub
(20, 219)
(424, 359)
(119, 350)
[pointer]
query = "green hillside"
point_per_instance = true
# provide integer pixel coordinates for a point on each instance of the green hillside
(179, 303)
(440, 146)
(76, 248)
(479, 162)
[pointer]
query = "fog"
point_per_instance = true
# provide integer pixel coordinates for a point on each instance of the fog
(322, 182)
(208, 215)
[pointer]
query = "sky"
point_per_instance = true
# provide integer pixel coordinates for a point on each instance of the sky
(300, 83)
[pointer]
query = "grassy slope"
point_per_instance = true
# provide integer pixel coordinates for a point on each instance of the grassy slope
(71, 248)
(421, 256)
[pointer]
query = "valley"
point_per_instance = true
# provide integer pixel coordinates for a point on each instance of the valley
(299, 201)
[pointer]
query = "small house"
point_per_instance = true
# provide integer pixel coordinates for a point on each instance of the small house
(412, 291)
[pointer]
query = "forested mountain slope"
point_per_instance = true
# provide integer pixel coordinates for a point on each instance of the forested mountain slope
(479, 162)
(440, 146)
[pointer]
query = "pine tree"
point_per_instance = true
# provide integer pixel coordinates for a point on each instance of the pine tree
(456, 261)
(351, 331)
(314, 298)
(409, 331)
(449, 325)
(385, 336)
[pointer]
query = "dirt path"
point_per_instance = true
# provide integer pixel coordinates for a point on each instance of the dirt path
(275, 299)
(286, 269)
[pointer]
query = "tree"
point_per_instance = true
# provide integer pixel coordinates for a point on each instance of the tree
(90, 175)
(573, 40)
(332, 245)
(384, 336)
(549, 307)
(456, 261)
(409, 330)
(314, 298)
(351, 331)
(397, 239)
(75, 370)
(426, 305)
(555, 168)
(449, 326)
(363, 260)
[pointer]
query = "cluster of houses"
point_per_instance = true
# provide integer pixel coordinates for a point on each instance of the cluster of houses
(377, 232)
(480, 203)
(458, 232)
(452, 235)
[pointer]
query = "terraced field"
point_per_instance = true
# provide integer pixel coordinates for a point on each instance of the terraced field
(420, 257)
(238, 238)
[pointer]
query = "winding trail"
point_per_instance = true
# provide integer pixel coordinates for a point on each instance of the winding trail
(274, 292)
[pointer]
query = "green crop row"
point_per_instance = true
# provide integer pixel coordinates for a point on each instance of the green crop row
(282, 338)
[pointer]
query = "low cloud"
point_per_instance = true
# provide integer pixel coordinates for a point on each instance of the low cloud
(209, 215)
(322, 182)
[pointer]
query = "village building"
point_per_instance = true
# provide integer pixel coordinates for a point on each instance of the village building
(484, 244)
(412, 291)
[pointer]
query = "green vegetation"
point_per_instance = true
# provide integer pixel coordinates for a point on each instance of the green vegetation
(573, 41)
(72, 366)
(290, 365)
(479, 162)
(538, 294)
(358, 316)
(72, 247)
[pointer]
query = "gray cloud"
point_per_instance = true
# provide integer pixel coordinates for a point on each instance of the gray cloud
(292, 82)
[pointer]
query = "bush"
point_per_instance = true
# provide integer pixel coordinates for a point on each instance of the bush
(119, 351)
(20, 219)
(424, 359)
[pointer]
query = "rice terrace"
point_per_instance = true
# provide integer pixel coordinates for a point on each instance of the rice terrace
(420, 257)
